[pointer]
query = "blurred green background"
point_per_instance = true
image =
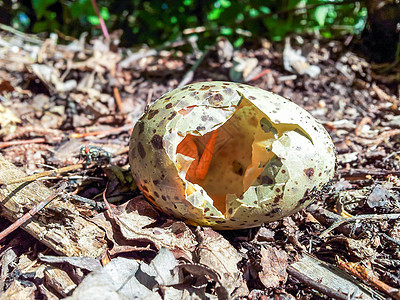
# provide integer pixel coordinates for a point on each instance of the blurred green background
(157, 22)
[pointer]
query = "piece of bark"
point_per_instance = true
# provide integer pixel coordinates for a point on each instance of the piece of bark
(59, 281)
(47, 294)
(18, 290)
(330, 280)
(58, 225)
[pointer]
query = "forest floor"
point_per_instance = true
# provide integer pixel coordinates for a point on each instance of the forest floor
(56, 99)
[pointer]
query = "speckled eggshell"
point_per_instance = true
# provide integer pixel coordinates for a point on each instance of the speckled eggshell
(269, 157)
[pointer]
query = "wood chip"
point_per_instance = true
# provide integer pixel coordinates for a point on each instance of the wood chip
(59, 226)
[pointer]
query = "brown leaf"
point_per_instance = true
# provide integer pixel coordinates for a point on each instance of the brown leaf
(362, 248)
(218, 254)
(274, 264)
(202, 275)
(135, 222)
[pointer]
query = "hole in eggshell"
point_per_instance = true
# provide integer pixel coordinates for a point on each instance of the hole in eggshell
(241, 150)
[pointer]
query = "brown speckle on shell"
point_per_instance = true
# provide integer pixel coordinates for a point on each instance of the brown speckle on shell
(277, 198)
(152, 113)
(217, 98)
(173, 114)
(309, 172)
(157, 142)
(141, 150)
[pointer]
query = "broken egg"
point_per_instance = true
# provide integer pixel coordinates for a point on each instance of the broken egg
(229, 155)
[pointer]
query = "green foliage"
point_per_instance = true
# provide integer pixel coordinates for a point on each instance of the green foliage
(155, 22)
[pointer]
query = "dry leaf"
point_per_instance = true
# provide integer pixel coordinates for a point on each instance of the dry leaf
(274, 264)
(131, 279)
(218, 254)
(136, 219)
(362, 248)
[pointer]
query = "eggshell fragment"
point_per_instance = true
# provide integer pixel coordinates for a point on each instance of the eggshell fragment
(269, 155)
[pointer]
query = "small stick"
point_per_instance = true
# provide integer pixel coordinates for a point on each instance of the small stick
(358, 218)
(261, 74)
(51, 173)
(189, 75)
(122, 151)
(32, 141)
(362, 174)
(315, 284)
(103, 132)
(32, 212)
(27, 37)
(149, 96)
(385, 135)
(102, 23)
(364, 121)
(118, 99)
(88, 201)
(361, 273)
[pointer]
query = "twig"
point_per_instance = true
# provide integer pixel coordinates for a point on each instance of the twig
(135, 57)
(51, 173)
(189, 75)
(122, 151)
(384, 136)
(22, 142)
(327, 218)
(32, 212)
(102, 132)
(118, 99)
(102, 23)
(149, 96)
(364, 121)
(74, 241)
(391, 155)
(361, 174)
(315, 284)
(24, 36)
(390, 239)
(359, 218)
(88, 201)
(362, 273)
(261, 74)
